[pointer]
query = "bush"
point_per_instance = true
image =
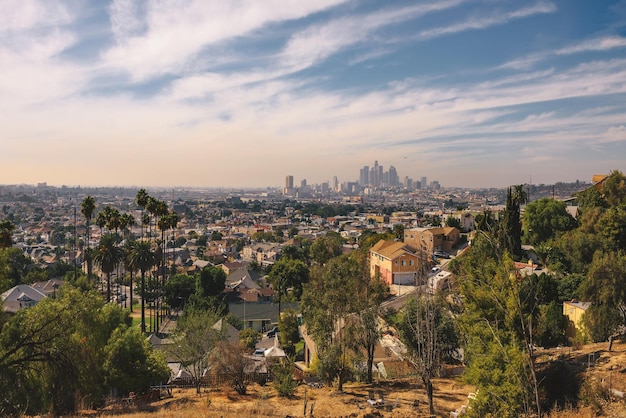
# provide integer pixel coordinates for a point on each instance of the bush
(284, 382)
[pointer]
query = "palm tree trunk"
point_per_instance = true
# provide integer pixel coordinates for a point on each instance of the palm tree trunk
(143, 305)
(108, 287)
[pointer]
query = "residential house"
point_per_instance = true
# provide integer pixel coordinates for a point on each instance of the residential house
(49, 287)
(394, 262)
(466, 220)
(231, 266)
(20, 297)
(263, 253)
(430, 240)
(574, 311)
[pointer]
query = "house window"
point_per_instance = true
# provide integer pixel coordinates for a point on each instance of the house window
(410, 262)
(403, 263)
(396, 262)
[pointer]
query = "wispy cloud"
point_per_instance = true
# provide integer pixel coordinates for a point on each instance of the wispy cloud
(173, 33)
(597, 44)
(483, 22)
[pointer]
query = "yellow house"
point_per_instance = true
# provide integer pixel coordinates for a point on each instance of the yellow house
(394, 262)
(574, 311)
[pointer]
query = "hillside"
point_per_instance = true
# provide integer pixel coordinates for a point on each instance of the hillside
(562, 368)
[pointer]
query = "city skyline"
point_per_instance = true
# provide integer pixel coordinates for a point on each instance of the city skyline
(236, 94)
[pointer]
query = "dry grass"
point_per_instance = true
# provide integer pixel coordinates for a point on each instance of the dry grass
(262, 401)
(609, 370)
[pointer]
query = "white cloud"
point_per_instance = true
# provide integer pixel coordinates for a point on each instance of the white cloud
(477, 23)
(21, 15)
(615, 134)
(176, 31)
(597, 44)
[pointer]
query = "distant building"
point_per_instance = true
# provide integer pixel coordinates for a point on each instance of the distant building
(574, 311)
(430, 240)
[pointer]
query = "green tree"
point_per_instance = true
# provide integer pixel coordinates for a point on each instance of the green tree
(6, 231)
(398, 232)
(211, 281)
(606, 289)
(248, 338)
(178, 289)
(108, 256)
(287, 278)
(612, 227)
(53, 356)
(326, 247)
(614, 189)
(497, 329)
(194, 340)
(551, 326)
(545, 219)
(453, 222)
(327, 301)
(510, 228)
(289, 334)
(14, 267)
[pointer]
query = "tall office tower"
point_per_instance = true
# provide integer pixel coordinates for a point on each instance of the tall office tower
(435, 185)
(364, 177)
(375, 179)
(424, 184)
(303, 183)
(373, 176)
(393, 176)
(408, 182)
(289, 182)
(335, 184)
(384, 179)
(380, 175)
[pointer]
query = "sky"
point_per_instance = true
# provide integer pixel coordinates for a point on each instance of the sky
(241, 93)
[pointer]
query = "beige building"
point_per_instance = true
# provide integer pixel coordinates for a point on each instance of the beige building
(394, 262)
(430, 240)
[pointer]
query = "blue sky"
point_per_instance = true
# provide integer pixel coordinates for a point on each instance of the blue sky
(472, 93)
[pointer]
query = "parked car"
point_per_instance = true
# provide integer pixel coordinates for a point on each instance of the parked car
(434, 271)
(259, 352)
(272, 333)
(441, 254)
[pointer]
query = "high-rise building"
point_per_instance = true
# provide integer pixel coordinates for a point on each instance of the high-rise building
(364, 177)
(374, 175)
(393, 176)
(335, 184)
(289, 182)
(424, 183)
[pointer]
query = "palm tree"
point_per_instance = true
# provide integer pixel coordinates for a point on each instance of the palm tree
(108, 256)
(101, 221)
(142, 258)
(87, 207)
(112, 217)
(127, 249)
(520, 196)
(127, 221)
(6, 230)
(142, 200)
(152, 206)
